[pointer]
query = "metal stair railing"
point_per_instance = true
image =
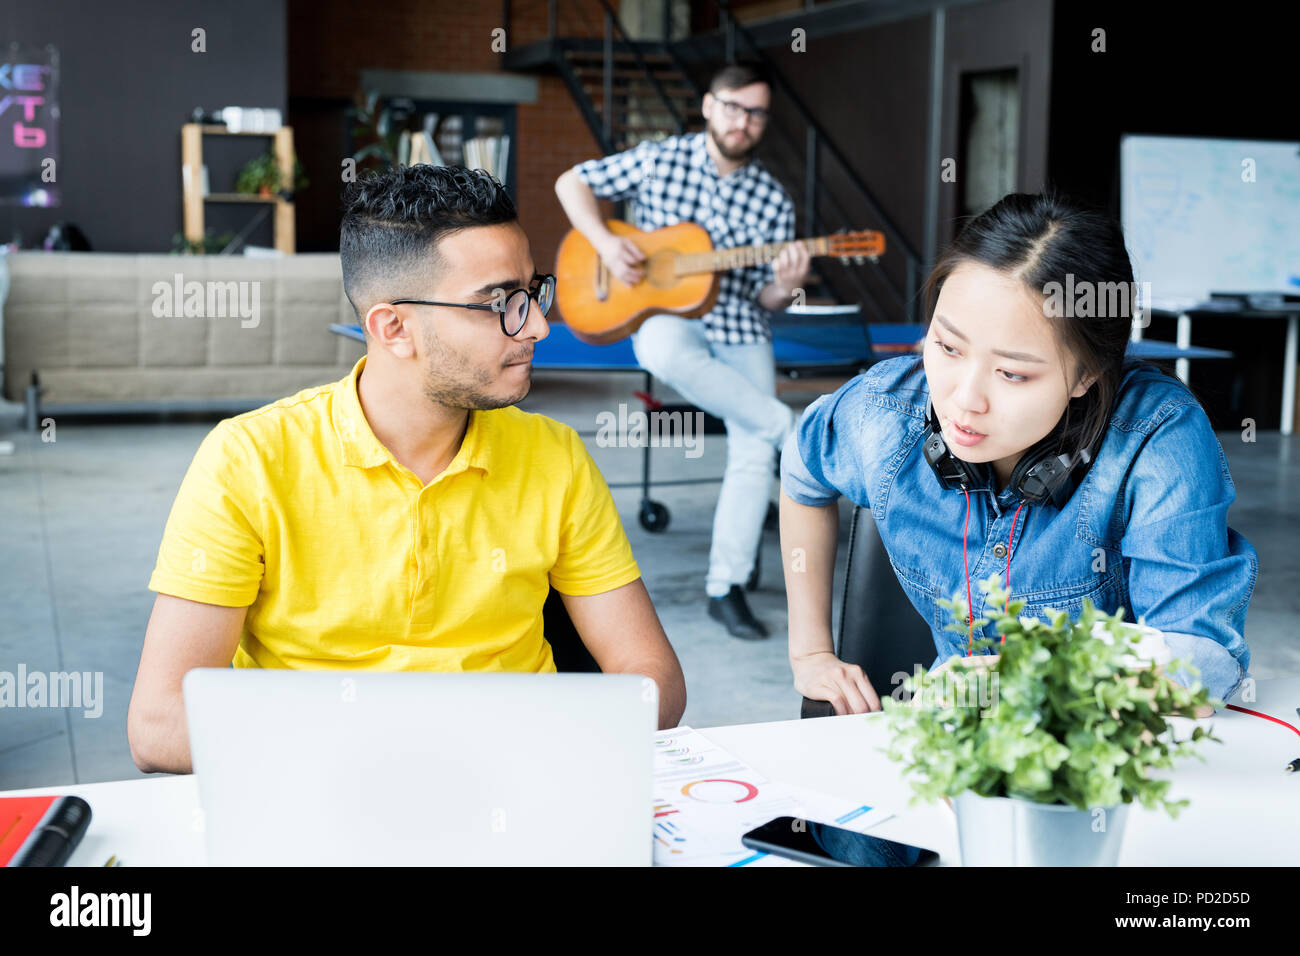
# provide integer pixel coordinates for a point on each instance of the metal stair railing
(602, 124)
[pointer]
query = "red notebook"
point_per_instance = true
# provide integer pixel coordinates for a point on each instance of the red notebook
(41, 831)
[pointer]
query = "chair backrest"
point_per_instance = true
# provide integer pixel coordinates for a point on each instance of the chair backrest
(880, 631)
(571, 655)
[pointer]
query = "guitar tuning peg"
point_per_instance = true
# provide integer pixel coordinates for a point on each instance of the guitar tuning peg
(859, 260)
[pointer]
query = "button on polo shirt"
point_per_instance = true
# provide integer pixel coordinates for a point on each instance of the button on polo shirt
(346, 560)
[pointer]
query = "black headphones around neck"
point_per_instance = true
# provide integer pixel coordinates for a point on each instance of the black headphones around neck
(1040, 476)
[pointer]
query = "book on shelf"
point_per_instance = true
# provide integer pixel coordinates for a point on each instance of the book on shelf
(488, 152)
(430, 150)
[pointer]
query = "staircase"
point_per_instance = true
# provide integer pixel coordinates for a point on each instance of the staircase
(639, 92)
(637, 110)
(628, 91)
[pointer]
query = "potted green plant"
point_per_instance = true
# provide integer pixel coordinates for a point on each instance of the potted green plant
(261, 176)
(1044, 746)
(374, 127)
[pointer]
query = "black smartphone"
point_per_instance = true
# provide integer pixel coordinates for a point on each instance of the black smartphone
(823, 845)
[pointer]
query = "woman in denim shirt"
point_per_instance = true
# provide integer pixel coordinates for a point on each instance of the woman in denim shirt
(1145, 524)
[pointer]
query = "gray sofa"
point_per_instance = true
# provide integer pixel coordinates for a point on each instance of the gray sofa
(106, 330)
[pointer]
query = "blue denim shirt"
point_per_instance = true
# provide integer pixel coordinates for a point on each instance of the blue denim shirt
(1146, 529)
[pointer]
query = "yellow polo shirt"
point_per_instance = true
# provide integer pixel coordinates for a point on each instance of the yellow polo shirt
(346, 560)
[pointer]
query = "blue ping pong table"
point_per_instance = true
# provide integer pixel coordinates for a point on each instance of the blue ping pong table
(802, 346)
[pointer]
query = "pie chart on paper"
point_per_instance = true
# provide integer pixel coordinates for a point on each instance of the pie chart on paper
(720, 791)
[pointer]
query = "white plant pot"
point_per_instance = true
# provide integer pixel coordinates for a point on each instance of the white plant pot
(1005, 831)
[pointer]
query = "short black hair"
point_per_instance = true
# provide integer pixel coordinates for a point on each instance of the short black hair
(739, 74)
(393, 220)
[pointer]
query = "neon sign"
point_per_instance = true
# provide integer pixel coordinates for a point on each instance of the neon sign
(29, 126)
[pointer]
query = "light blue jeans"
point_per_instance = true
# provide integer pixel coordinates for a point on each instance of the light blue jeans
(736, 383)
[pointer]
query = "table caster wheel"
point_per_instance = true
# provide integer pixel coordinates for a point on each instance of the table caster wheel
(654, 516)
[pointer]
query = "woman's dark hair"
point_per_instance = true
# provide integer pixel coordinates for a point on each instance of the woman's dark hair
(393, 220)
(1054, 244)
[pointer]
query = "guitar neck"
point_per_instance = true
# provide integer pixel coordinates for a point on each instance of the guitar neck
(719, 260)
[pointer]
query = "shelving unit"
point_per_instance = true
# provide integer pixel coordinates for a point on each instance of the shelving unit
(457, 122)
(194, 201)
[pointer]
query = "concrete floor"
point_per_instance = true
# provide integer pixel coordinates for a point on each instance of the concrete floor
(81, 519)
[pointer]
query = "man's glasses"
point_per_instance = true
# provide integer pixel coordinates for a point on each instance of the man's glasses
(513, 309)
(733, 110)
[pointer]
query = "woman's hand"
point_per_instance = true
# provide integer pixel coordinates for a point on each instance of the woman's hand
(823, 676)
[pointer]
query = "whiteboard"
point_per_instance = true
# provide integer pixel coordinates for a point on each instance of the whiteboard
(1194, 224)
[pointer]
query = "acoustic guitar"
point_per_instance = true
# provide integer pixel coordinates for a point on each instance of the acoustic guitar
(680, 269)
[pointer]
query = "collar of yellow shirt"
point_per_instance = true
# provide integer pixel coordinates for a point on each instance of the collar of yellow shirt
(362, 449)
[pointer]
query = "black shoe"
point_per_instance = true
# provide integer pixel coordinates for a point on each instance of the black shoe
(733, 611)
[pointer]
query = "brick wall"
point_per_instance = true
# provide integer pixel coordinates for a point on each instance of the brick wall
(331, 42)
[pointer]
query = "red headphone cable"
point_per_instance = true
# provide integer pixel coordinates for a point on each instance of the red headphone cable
(970, 605)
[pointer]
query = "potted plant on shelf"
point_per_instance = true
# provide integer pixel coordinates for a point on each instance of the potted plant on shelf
(261, 176)
(1043, 746)
(374, 126)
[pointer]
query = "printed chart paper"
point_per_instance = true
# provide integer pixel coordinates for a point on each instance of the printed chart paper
(706, 800)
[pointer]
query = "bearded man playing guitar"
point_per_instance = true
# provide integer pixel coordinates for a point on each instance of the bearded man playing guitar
(723, 361)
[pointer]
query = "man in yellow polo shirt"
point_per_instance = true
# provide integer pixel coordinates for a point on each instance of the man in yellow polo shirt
(406, 517)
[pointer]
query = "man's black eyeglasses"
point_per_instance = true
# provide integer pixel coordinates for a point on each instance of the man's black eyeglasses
(731, 109)
(512, 308)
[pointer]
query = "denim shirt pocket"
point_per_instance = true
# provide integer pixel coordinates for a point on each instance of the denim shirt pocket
(1105, 588)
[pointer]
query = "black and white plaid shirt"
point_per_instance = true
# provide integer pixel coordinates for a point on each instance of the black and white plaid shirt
(676, 180)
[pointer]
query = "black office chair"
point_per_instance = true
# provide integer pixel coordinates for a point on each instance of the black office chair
(880, 631)
(571, 655)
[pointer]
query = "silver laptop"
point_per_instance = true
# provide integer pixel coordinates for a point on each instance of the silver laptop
(336, 768)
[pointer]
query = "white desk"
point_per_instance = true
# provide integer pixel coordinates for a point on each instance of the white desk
(1243, 804)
